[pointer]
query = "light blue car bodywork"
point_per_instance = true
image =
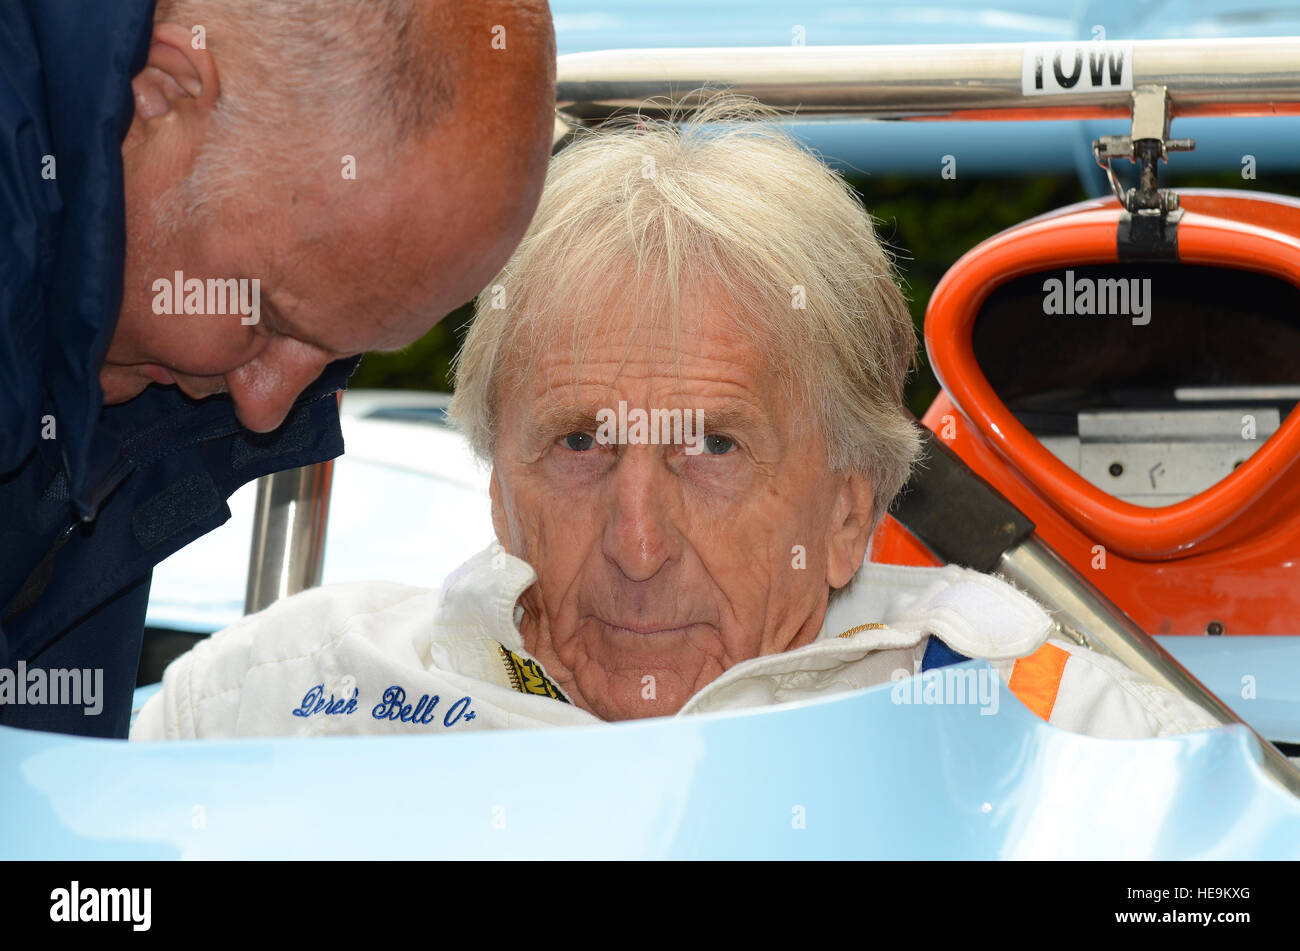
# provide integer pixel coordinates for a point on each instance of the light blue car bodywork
(1258, 677)
(854, 775)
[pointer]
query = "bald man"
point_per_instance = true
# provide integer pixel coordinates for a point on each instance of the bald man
(212, 208)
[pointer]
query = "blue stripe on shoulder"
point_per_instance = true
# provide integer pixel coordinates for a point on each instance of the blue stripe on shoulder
(939, 654)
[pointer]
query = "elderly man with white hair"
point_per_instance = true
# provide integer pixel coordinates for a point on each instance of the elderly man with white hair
(691, 401)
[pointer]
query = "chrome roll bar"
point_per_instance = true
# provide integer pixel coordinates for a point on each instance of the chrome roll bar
(1243, 76)
(289, 524)
(1087, 617)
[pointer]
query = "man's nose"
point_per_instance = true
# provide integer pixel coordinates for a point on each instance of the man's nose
(264, 389)
(640, 537)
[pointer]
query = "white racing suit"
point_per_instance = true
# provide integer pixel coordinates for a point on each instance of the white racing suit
(376, 657)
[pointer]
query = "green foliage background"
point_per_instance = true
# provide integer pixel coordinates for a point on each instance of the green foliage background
(927, 224)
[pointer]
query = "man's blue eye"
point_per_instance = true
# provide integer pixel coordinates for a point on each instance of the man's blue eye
(717, 445)
(579, 442)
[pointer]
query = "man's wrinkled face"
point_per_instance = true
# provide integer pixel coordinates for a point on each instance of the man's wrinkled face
(660, 568)
(344, 263)
(337, 275)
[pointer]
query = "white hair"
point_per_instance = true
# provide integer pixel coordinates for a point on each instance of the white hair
(648, 210)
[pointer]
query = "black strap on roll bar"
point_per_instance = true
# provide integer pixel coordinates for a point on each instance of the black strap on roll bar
(955, 513)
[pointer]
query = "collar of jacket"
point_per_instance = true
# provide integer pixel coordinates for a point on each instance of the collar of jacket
(162, 420)
(973, 613)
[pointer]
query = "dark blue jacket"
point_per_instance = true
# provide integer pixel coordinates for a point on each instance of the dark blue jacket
(85, 515)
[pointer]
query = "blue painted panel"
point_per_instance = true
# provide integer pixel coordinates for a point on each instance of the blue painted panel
(1258, 677)
(851, 776)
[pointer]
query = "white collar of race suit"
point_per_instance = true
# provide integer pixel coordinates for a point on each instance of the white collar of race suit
(973, 613)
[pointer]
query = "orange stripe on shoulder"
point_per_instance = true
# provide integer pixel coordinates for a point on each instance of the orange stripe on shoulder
(1037, 678)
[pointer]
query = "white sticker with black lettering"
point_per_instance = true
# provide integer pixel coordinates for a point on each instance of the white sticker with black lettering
(1059, 69)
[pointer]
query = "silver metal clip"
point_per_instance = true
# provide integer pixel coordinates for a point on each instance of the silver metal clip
(1147, 144)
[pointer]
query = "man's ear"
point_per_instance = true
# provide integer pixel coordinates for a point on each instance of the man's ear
(499, 523)
(850, 530)
(177, 80)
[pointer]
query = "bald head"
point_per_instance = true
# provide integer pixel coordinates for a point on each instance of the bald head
(371, 164)
(308, 80)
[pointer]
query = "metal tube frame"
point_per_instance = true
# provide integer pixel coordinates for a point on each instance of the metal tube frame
(1235, 76)
(1085, 615)
(290, 520)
